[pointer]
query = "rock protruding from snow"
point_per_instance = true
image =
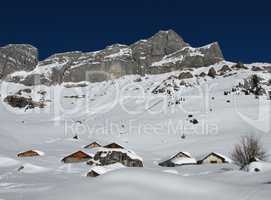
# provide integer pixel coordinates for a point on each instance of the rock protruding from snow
(212, 72)
(185, 75)
(17, 57)
(188, 57)
(164, 52)
(23, 102)
(259, 166)
(151, 50)
(225, 69)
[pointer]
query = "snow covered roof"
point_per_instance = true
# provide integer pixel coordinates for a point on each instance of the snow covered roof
(92, 145)
(41, 153)
(114, 146)
(107, 168)
(187, 154)
(129, 153)
(181, 158)
(226, 159)
(183, 161)
(78, 155)
(31, 153)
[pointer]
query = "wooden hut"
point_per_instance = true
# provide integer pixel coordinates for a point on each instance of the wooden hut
(30, 153)
(100, 170)
(92, 145)
(113, 146)
(123, 156)
(181, 158)
(214, 158)
(76, 157)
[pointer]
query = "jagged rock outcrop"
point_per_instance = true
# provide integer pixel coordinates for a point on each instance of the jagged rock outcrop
(146, 52)
(23, 102)
(212, 72)
(185, 75)
(164, 52)
(225, 69)
(17, 57)
(188, 57)
(239, 65)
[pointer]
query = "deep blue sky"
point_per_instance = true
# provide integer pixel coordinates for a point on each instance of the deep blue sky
(243, 28)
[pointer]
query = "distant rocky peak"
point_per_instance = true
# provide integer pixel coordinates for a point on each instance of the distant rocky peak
(17, 57)
(172, 40)
(21, 49)
(165, 51)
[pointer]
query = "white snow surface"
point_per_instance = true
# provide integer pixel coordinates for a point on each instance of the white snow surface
(7, 162)
(260, 165)
(108, 168)
(126, 112)
(183, 161)
(33, 169)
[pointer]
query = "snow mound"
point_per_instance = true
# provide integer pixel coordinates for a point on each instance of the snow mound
(154, 185)
(171, 171)
(33, 169)
(259, 167)
(8, 162)
(107, 168)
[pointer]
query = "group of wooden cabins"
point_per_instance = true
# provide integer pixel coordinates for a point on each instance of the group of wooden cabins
(106, 158)
(185, 158)
(81, 156)
(114, 156)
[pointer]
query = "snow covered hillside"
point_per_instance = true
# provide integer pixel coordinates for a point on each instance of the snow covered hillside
(151, 118)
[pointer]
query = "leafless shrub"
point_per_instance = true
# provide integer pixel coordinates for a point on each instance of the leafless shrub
(248, 150)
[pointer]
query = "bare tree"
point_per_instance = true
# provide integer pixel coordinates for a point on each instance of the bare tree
(248, 150)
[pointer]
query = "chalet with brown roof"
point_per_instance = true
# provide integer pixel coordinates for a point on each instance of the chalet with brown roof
(76, 157)
(113, 146)
(30, 153)
(92, 145)
(214, 158)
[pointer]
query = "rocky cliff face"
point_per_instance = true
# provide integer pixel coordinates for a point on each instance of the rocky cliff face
(17, 57)
(164, 52)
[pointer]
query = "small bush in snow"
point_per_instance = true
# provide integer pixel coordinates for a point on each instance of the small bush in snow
(248, 150)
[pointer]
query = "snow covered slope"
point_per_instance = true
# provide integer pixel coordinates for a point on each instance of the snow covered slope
(148, 115)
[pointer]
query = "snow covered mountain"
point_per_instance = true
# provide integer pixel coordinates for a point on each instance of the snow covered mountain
(164, 52)
(155, 101)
